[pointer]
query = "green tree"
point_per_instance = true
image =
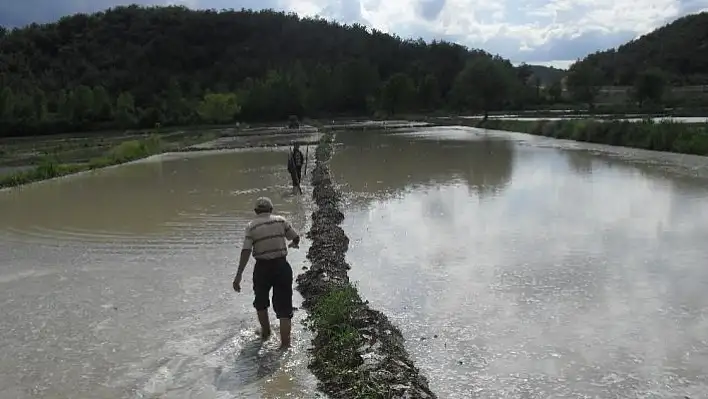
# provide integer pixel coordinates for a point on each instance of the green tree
(39, 103)
(64, 106)
(125, 110)
(584, 83)
(82, 104)
(677, 48)
(102, 108)
(25, 111)
(555, 92)
(650, 86)
(397, 94)
(7, 105)
(484, 84)
(537, 88)
(429, 93)
(219, 107)
(524, 73)
(176, 108)
(359, 80)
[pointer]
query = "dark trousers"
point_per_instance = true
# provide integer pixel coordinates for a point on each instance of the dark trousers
(296, 175)
(299, 173)
(278, 275)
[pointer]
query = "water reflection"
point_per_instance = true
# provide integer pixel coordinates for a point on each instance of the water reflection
(391, 163)
(580, 162)
(558, 285)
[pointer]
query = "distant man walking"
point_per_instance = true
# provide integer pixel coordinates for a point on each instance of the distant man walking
(265, 239)
(295, 161)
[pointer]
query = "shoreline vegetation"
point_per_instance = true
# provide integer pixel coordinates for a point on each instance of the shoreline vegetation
(71, 156)
(668, 136)
(357, 352)
(51, 167)
(665, 135)
(47, 157)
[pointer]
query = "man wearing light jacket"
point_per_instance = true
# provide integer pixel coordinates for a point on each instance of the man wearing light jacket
(265, 238)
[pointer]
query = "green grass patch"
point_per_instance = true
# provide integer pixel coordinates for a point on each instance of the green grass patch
(47, 169)
(335, 319)
(50, 167)
(54, 158)
(337, 339)
(666, 135)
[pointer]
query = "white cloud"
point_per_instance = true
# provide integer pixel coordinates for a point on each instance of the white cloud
(553, 31)
(538, 31)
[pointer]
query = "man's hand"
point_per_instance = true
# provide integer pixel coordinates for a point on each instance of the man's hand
(237, 283)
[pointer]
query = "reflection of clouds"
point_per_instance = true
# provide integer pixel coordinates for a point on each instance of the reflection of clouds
(557, 285)
(392, 163)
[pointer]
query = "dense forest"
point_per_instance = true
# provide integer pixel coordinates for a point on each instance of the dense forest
(679, 51)
(139, 66)
(547, 75)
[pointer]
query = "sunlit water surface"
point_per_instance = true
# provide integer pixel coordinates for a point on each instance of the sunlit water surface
(523, 267)
(117, 284)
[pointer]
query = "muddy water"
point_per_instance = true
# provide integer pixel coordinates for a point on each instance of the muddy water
(523, 267)
(118, 284)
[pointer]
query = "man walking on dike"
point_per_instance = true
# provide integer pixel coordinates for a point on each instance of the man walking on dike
(295, 162)
(265, 238)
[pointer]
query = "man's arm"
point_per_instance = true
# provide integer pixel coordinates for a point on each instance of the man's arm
(243, 261)
(292, 235)
(246, 250)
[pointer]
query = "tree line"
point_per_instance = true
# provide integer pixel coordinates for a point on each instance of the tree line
(131, 67)
(677, 50)
(135, 67)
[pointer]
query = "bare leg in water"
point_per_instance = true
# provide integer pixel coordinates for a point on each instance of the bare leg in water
(265, 323)
(285, 328)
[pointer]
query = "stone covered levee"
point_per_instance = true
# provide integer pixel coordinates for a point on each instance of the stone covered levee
(357, 352)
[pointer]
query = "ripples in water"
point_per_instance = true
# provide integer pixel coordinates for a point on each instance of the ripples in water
(532, 268)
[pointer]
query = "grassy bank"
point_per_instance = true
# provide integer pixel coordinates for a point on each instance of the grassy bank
(45, 158)
(50, 167)
(659, 136)
(357, 352)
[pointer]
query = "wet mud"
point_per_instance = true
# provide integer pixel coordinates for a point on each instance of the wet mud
(357, 352)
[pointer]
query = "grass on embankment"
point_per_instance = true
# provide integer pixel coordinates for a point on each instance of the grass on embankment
(335, 353)
(62, 157)
(667, 136)
(50, 167)
(357, 352)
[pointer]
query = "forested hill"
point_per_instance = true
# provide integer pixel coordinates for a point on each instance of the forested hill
(679, 49)
(546, 75)
(142, 65)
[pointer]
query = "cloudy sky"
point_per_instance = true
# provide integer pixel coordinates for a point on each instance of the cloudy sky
(552, 32)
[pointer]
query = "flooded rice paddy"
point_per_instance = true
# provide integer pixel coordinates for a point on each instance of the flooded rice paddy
(117, 284)
(523, 267)
(516, 266)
